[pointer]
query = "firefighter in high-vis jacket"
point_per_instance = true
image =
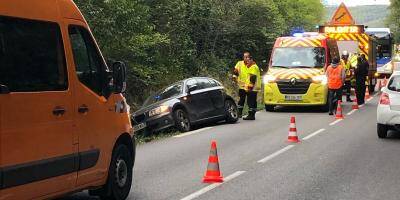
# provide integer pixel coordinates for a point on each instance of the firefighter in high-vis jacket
(346, 63)
(247, 75)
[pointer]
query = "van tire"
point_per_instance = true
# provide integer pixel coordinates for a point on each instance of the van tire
(325, 107)
(269, 108)
(117, 186)
(382, 130)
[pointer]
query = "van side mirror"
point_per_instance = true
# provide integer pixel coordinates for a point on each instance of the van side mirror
(4, 89)
(192, 88)
(119, 76)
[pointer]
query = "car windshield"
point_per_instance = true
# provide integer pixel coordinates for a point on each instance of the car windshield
(168, 92)
(394, 84)
(299, 57)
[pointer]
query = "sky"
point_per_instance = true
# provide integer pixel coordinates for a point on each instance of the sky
(357, 2)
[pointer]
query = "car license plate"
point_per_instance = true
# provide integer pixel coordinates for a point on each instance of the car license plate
(293, 98)
(139, 127)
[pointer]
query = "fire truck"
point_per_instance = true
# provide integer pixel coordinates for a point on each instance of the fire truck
(352, 38)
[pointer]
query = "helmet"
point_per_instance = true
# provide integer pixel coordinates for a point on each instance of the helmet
(345, 54)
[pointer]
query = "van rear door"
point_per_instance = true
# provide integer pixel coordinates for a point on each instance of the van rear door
(37, 155)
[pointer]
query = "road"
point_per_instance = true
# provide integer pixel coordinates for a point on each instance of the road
(335, 160)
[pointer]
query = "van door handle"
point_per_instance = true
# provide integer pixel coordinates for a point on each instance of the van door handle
(83, 109)
(58, 111)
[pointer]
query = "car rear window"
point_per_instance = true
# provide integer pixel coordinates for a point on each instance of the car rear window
(31, 56)
(394, 84)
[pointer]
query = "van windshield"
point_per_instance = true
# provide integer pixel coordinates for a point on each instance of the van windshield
(299, 57)
(168, 92)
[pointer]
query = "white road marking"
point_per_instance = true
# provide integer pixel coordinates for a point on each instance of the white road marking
(192, 132)
(314, 134)
(264, 160)
(351, 112)
(378, 93)
(368, 100)
(335, 122)
(213, 186)
(361, 106)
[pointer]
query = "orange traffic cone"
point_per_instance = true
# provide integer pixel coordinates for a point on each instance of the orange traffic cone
(213, 175)
(367, 96)
(355, 104)
(292, 137)
(339, 113)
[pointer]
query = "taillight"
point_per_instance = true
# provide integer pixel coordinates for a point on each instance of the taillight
(384, 99)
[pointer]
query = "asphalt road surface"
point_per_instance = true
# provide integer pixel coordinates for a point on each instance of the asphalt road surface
(334, 160)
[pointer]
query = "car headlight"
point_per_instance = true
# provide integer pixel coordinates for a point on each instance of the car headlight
(269, 79)
(159, 110)
(322, 79)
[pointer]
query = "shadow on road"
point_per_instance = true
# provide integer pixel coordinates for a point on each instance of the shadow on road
(299, 109)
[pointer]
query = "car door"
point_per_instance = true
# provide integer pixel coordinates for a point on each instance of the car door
(206, 104)
(92, 109)
(36, 148)
(217, 95)
(199, 103)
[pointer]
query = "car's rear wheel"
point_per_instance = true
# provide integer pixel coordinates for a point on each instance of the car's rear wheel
(382, 130)
(182, 121)
(231, 111)
(269, 108)
(119, 179)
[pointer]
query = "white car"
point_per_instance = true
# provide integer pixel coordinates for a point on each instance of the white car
(388, 114)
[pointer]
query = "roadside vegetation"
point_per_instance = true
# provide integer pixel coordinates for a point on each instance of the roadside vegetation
(163, 41)
(394, 19)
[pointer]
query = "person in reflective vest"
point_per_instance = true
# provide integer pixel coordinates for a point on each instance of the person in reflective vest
(346, 63)
(247, 75)
(336, 77)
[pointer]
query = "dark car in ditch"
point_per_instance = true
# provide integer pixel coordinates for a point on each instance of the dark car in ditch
(186, 103)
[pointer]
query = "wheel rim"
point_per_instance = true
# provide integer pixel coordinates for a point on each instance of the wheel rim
(183, 120)
(232, 110)
(121, 172)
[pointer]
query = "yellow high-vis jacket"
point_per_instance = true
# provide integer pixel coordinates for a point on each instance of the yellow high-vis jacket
(246, 74)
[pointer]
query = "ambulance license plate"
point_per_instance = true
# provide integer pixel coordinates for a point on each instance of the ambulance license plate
(139, 127)
(293, 97)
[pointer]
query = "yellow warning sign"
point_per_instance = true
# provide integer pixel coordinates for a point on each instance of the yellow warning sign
(342, 16)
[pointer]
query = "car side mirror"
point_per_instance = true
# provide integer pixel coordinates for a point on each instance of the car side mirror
(192, 88)
(119, 76)
(4, 89)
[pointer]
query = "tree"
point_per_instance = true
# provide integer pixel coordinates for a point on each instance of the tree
(394, 19)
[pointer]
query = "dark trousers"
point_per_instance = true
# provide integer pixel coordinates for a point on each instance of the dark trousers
(334, 96)
(251, 100)
(347, 88)
(360, 91)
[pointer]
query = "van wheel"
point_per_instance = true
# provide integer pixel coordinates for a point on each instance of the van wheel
(182, 122)
(382, 130)
(231, 111)
(119, 180)
(325, 108)
(269, 108)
